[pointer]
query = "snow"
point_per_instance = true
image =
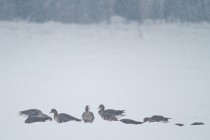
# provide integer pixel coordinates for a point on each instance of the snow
(147, 69)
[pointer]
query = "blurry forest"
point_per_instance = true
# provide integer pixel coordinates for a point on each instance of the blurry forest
(93, 11)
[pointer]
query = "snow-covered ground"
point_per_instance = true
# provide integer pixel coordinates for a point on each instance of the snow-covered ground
(147, 69)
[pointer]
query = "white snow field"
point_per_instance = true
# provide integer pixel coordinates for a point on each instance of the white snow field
(147, 69)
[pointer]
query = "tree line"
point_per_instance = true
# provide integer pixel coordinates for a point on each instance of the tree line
(93, 11)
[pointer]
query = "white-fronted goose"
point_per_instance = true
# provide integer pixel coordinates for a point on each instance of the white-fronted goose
(197, 123)
(62, 117)
(129, 121)
(106, 116)
(156, 118)
(87, 116)
(34, 113)
(116, 113)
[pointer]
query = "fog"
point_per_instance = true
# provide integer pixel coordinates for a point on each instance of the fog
(147, 57)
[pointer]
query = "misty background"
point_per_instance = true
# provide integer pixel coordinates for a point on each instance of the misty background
(148, 57)
(93, 11)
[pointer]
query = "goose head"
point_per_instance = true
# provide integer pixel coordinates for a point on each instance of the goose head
(87, 108)
(101, 106)
(54, 111)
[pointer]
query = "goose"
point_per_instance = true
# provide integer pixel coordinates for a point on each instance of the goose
(62, 117)
(116, 113)
(179, 124)
(197, 123)
(87, 116)
(129, 121)
(156, 118)
(34, 113)
(105, 115)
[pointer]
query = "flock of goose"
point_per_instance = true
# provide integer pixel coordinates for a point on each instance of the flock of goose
(35, 115)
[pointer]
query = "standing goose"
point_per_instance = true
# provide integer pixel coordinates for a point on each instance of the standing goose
(34, 115)
(62, 117)
(105, 115)
(87, 116)
(156, 118)
(116, 113)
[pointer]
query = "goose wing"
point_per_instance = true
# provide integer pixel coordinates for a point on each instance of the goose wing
(30, 112)
(115, 112)
(159, 118)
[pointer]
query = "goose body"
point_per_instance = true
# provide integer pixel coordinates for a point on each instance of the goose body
(62, 117)
(156, 118)
(129, 121)
(197, 123)
(113, 112)
(106, 115)
(179, 124)
(87, 116)
(36, 119)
